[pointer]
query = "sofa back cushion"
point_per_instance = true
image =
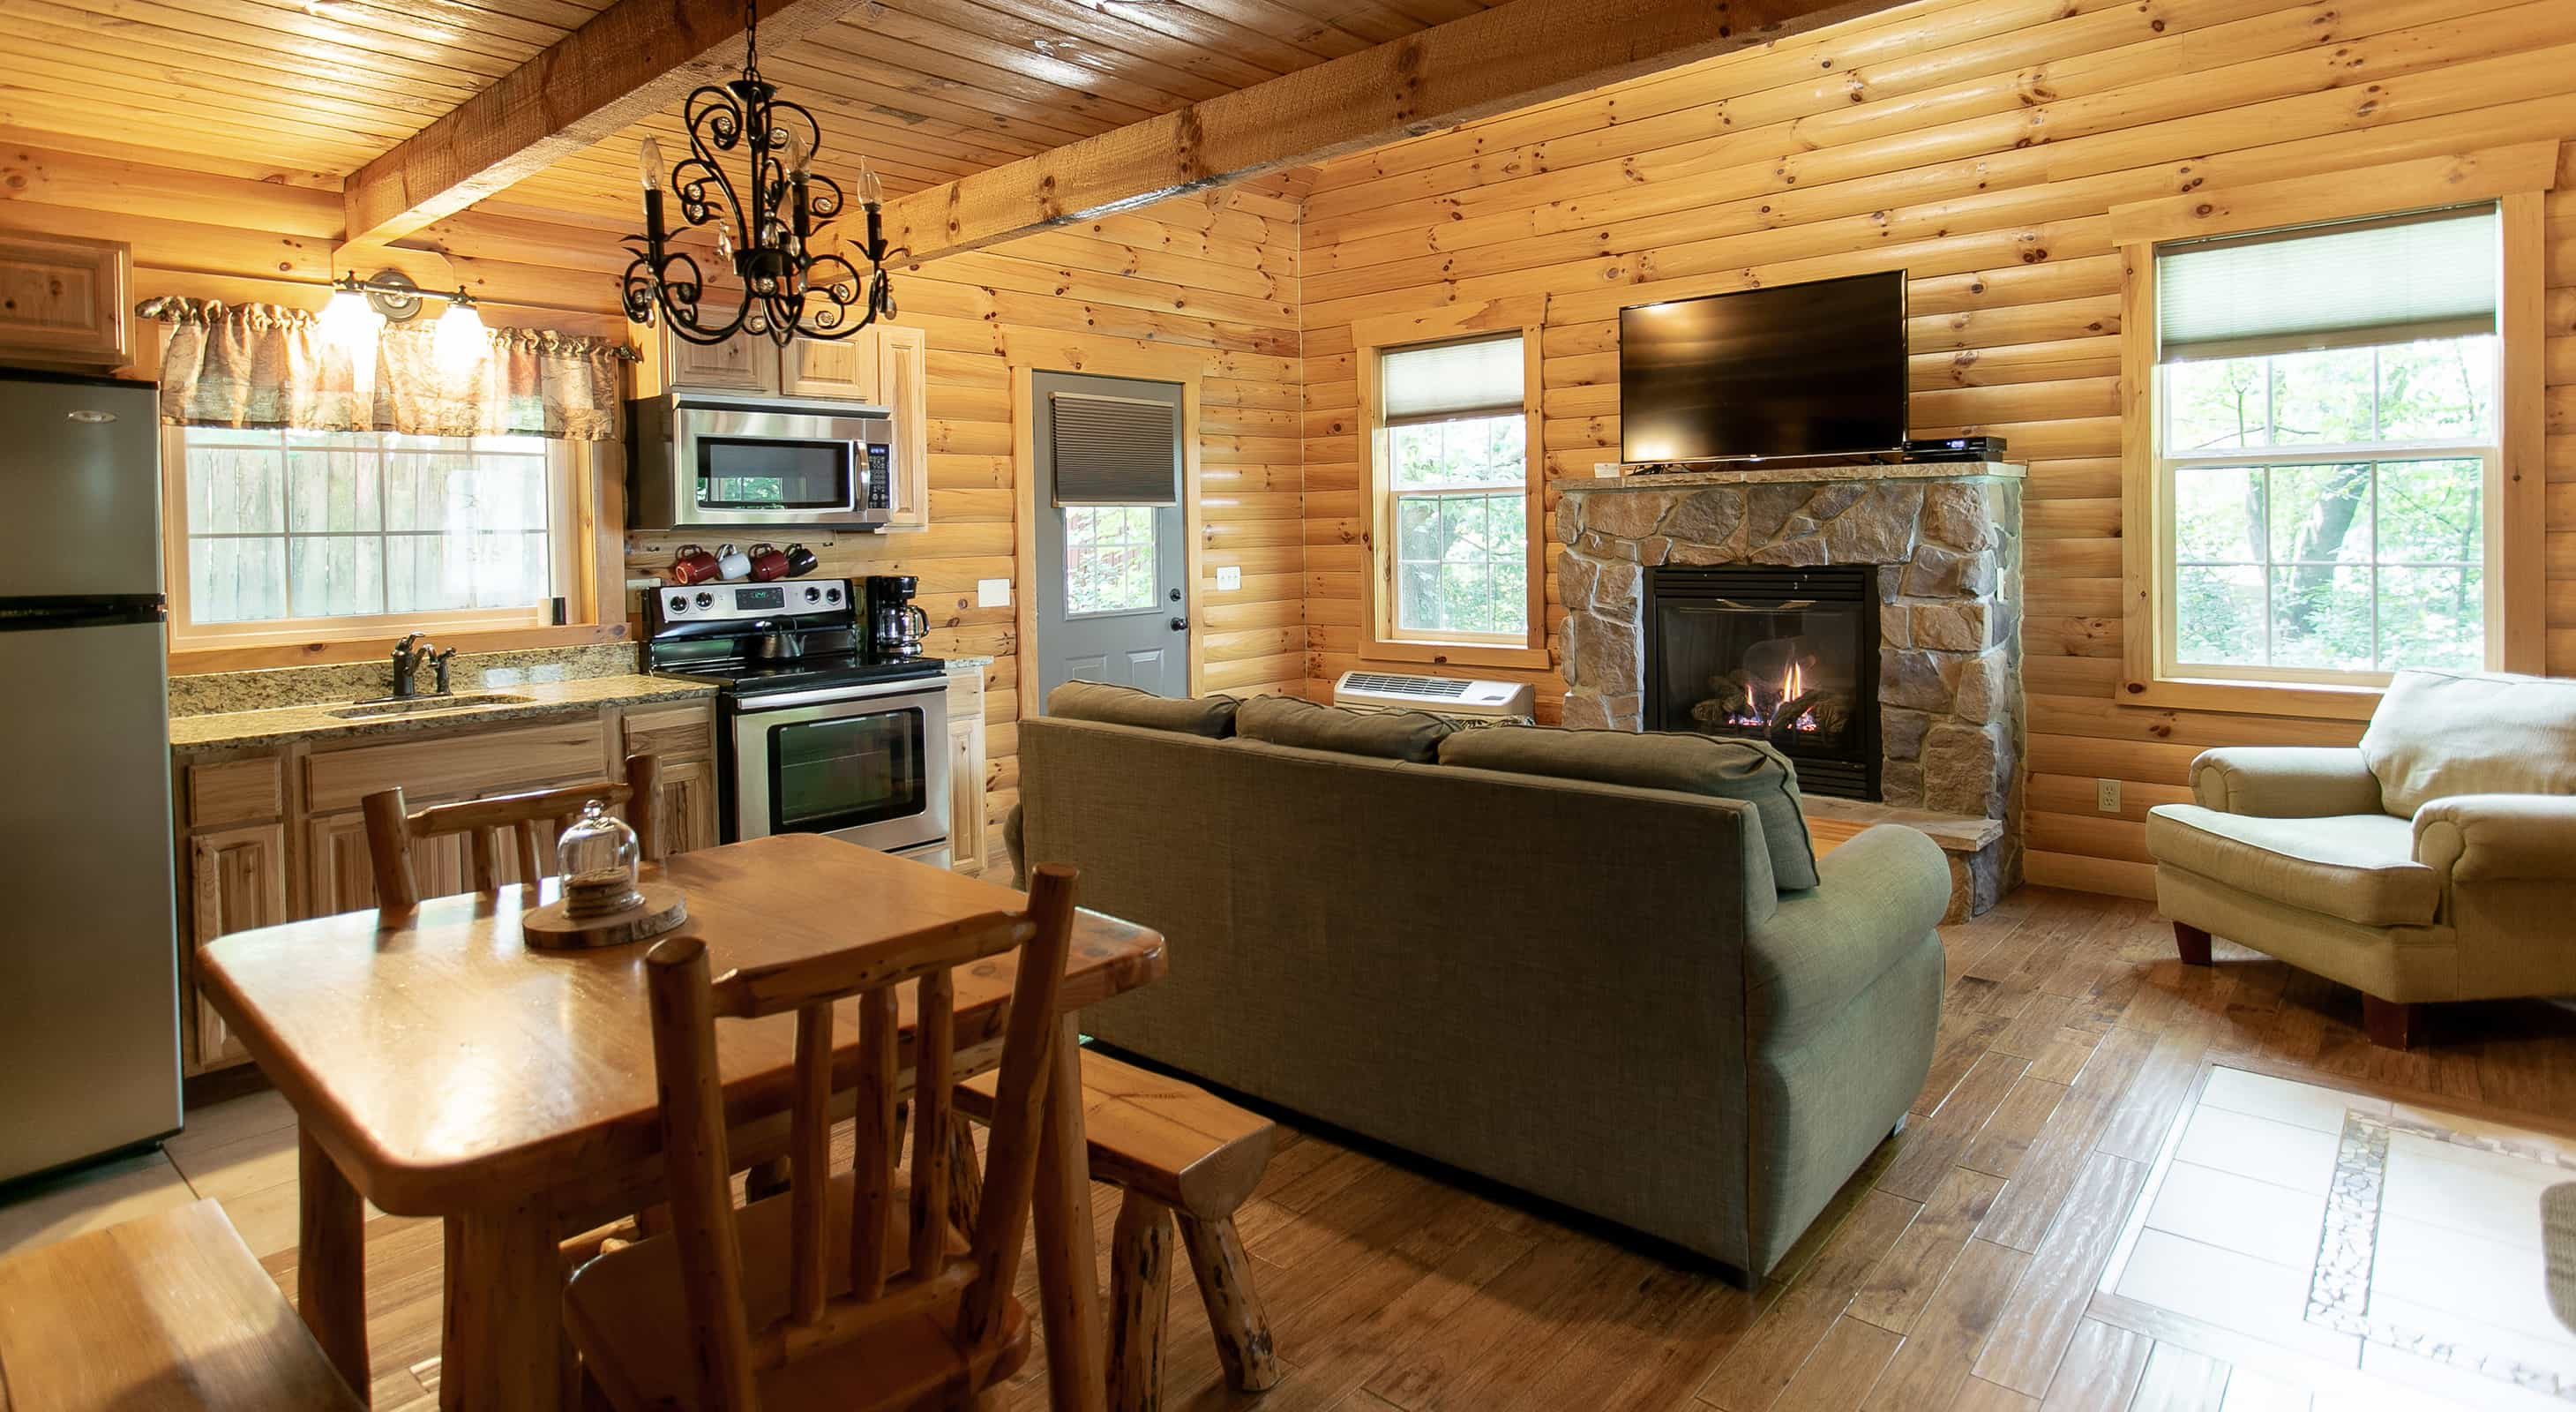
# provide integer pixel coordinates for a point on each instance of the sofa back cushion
(1382, 735)
(1211, 716)
(2439, 734)
(1692, 764)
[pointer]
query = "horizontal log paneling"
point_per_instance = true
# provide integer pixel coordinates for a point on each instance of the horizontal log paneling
(1215, 272)
(1983, 156)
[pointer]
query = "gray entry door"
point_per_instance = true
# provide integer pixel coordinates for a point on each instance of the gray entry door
(1111, 605)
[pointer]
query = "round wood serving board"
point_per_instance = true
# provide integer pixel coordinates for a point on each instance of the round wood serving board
(549, 929)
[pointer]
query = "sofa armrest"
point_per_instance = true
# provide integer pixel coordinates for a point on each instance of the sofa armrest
(2285, 781)
(1878, 896)
(2499, 837)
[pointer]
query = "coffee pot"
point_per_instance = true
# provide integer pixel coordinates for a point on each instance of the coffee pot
(896, 624)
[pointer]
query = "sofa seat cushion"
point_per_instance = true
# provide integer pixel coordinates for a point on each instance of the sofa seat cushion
(1381, 735)
(2439, 734)
(1691, 764)
(1211, 716)
(2359, 867)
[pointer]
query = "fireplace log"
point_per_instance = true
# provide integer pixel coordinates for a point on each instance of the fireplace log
(1832, 710)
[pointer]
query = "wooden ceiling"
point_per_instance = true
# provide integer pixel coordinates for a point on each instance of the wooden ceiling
(307, 91)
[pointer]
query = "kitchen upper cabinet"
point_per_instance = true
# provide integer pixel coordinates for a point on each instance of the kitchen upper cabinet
(903, 387)
(63, 301)
(844, 368)
(741, 363)
(236, 880)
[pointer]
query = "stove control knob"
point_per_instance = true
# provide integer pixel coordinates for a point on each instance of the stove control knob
(813, 595)
(706, 600)
(679, 603)
(831, 595)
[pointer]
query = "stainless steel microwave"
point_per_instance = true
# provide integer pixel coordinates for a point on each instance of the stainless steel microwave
(719, 461)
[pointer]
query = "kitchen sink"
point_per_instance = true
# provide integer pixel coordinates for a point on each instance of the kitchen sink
(427, 705)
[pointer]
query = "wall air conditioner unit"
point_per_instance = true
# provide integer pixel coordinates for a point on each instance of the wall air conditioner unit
(1441, 696)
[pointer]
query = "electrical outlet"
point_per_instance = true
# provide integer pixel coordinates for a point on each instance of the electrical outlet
(1229, 578)
(992, 593)
(2106, 796)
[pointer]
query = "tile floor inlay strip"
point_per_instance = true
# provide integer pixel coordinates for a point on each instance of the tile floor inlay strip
(2339, 1291)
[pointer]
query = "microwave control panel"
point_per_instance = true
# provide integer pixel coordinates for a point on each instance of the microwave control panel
(880, 476)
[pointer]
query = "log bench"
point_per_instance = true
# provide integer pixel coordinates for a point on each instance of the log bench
(1178, 1155)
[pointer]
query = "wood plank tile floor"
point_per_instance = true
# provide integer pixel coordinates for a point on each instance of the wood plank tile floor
(1958, 1270)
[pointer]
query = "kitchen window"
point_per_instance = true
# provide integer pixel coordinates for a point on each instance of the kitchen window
(1455, 563)
(2327, 451)
(292, 535)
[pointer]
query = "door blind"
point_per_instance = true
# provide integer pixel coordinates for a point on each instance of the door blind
(1115, 450)
(2351, 285)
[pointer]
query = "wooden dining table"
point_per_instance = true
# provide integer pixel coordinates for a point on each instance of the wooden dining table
(438, 1067)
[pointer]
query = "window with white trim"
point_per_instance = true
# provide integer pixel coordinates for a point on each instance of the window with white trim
(1453, 434)
(2328, 448)
(309, 535)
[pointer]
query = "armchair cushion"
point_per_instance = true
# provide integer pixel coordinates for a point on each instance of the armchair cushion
(2284, 781)
(2359, 867)
(2477, 838)
(2437, 734)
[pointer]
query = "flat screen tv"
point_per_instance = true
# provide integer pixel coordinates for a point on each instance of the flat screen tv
(1795, 370)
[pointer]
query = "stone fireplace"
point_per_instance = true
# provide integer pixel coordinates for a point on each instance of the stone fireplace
(1938, 548)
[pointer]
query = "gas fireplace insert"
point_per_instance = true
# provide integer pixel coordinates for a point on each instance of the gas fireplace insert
(1788, 656)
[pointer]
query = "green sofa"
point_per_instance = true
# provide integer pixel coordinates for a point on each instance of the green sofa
(1589, 991)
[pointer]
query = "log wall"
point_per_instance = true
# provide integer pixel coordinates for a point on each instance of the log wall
(1215, 272)
(1978, 144)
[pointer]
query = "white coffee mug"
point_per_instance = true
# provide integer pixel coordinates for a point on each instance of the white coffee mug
(733, 564)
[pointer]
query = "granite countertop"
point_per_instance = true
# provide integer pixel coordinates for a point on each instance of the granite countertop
(1681, 475)
(315, 722)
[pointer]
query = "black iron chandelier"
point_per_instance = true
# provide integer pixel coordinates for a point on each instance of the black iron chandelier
(764, 227)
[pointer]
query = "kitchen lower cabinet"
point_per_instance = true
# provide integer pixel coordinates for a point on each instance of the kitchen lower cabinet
(271, 833)
(236, 880)
(687, 809)
(966, 769)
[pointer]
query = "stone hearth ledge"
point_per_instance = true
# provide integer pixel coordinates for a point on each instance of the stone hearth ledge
(1945, 539)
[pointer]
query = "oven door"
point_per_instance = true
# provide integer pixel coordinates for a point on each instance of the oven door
(751, 463)
(868, 764)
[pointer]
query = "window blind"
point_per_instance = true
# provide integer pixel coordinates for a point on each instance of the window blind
(2396, 280)
(1115, 450)
(1445, 381)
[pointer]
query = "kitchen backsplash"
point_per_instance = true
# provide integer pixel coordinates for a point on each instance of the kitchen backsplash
(213, 692)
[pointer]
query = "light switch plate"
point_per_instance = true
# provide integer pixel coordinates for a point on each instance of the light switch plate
(2106, 796)
(992, 593)
(1229, 578)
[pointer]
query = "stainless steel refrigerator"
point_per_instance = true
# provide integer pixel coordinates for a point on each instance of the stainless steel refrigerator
(89, 989)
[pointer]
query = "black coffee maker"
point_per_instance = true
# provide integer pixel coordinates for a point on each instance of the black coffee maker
(895, 624)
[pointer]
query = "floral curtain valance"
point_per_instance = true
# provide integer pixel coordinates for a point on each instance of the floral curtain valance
(258, 365)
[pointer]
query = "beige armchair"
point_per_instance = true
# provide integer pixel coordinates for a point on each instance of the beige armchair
(2435, 861)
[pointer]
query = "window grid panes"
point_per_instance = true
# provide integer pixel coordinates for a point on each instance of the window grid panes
(285, 525)
(1461, 526)
(2329, 509)
(1109, 556)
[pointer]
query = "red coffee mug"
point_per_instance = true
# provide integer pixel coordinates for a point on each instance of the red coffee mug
(767, 562)
(694, 565)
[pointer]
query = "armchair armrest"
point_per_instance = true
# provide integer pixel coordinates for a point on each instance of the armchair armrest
(2499, 837)
(2285, 781)
(1877, 897)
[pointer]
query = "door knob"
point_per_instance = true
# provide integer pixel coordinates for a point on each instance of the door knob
(1180, 624)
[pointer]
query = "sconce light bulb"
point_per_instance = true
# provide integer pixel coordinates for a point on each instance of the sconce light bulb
(648, 163)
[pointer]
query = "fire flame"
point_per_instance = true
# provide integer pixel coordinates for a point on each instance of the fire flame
(1796, 685)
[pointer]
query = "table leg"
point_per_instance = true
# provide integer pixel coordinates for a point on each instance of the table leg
(331, 1263)
(502, 1349)
(1068, 1268)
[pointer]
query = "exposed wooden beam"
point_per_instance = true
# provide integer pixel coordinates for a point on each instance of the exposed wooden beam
(629, 61)
(1511, 56)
